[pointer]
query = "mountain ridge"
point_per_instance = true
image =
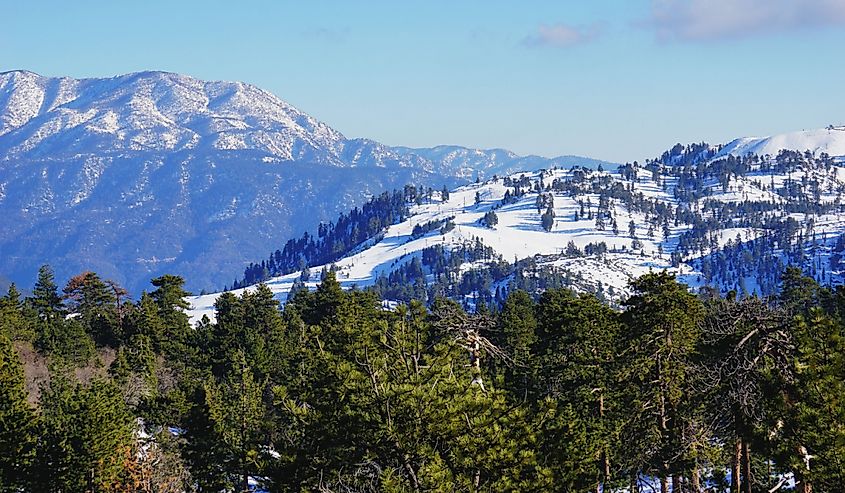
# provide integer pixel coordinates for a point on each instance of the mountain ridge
(729, 223)
(155, 172)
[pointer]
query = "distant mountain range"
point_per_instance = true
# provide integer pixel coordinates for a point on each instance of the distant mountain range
(152, 172)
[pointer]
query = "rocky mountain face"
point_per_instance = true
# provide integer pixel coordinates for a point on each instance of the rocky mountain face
(151, 173)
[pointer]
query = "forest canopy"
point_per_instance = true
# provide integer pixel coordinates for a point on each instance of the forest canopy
(545, 391)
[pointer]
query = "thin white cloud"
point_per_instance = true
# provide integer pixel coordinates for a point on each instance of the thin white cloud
(701, 20)
(561, 36)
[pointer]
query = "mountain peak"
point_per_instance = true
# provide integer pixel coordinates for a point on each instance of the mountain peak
(830, 140)
(155, 111)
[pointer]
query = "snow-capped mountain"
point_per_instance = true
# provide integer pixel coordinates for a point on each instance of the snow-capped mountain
(829, 140)
(165, 112)
(730, 223)
(153, 172)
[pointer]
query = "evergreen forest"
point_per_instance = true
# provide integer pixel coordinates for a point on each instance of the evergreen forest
(546, 391)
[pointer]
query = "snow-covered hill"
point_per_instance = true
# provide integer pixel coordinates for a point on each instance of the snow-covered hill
(830, 140)
(642, 222)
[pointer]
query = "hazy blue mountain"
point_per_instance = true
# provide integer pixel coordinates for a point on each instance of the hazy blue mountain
(484, 163)
(152, 172)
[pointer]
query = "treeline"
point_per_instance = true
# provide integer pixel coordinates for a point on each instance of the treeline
(108, 360)
(439, 272)
(336, 239)
(556, 392)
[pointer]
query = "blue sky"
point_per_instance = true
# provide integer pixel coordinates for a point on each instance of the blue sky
(612, 79)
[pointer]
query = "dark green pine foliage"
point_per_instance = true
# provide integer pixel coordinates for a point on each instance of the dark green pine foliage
(227, 429)
(86, 437)
(45, 296)
(67, 339)
(237, 413)
(660, 338)
(227, 426)
(249, 325)
(89, 297)
(743, 345)
(578, 340)
(203, 449)
(799, 293)
(145, 320)
(14, 321)
(169, 298)
(815, 428)
(393, 402)
(18, 428)
(517, 335)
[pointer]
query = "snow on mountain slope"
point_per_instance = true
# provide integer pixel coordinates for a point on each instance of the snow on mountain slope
(577, 197)
(830, 141)
(517, 235)
(156, 111)
(484, 163)
(155, 172)
(149, 173)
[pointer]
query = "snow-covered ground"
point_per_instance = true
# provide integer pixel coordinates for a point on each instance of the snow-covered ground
(829, 140)
(519, 233)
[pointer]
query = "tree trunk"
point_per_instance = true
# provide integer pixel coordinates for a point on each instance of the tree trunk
(676, 483)
(604, 461)
(415, 482)
(746, 468)
(664, 424)
(695, 480)
(736, 483)
(635, 486)
(802, 485)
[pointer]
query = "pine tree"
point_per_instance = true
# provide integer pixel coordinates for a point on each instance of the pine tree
(45, 297)
(17, 423)
(518, 328)
(169, 297)
(95, 303)
(661, 328)
(236, 408)
(576, 356)
(547, 220)
(13, 321)
(741, 345)
(145, 320)
(85, 436)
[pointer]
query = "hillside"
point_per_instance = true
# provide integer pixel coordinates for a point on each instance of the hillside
(829, 141)
(730, 222)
